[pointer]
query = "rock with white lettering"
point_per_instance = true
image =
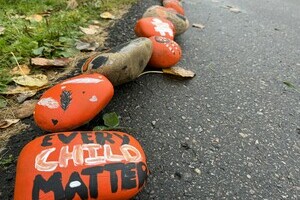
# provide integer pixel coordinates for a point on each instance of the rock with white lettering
(81, 165)
(73, 102)
(166, 52)
(180, 22)
(154, 26)
(175, 4)
(121, 64)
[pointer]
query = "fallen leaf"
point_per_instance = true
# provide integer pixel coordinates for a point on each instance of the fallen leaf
(290, 85)
(111, 120)
(107, 15)
(35, 18)
(72, 4)
(43, 62)
(3, 102)
(37, 80)
(25, 110)
(200, 26)
(178, 71)
(233, 9)
(5, 123)
(91, 30)
(20, 89)
(23, 96)
(2, 29)
(20, 70)
(85, 46)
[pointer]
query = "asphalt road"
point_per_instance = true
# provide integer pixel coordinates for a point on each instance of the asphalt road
(233, 131)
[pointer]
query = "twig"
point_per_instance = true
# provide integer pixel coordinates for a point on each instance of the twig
(150, 72)
(18, 64)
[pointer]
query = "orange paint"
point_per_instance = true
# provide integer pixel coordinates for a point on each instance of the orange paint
(175, 4)
(81, 165)
(153, 26)
(166, 52)
(73, 102)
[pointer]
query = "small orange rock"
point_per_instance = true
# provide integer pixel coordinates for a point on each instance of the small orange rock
(154, 26)
(166, 52)
(73, 102)
(175, 4)
(78, 165)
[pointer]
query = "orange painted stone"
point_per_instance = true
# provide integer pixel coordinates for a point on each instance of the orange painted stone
(154, 26)
(73, 102)
(78, 165)
(175, 4)
(166, 52)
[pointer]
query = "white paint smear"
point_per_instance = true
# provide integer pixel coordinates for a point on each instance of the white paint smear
(75, 184)
(48, 102)
(162, 27)
(82, 80)
(93, 99)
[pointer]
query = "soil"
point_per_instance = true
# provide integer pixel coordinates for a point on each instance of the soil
(120, 32)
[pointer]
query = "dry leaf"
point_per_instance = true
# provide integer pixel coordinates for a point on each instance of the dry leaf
(85, 46)
(43, 62)
(37, 80)
(23, 96)
(107, 15)
(72, 4)
(21, 70)
(25, 110)
(2, 29)
(91, 30)
(5, 123)
(178, 71)
(200, 26)
(233, 9)
(35, 18)
(20, 89)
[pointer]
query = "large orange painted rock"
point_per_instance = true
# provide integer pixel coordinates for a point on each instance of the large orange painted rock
(73, 102)
(154, 26)
(175, 4)
(180, 22)
(81, 165)
(166, 52)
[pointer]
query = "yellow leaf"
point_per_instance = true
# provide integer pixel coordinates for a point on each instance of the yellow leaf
(178, 71)
(37, 80)
(107, 15)
(8, 122)
(72, 4)
(21, 70)
(22, 90)
(91, 30)
(35, 18)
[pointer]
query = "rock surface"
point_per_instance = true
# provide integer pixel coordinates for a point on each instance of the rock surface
(121, 64)
(73, 102)
(175, 4)
(180, 22)
(154, 26)
(166, 52)
(81, 165)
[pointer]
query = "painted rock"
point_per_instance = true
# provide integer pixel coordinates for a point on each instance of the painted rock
(175, 4)
(81, 165)
(121, 64)
(154, 26)
(180, 22)
(73, 102)
(166, 52)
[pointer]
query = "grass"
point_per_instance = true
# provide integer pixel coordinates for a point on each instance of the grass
(53, 37)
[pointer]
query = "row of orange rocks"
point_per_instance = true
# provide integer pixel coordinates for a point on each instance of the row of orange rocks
(104, 164)
(162, 24)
